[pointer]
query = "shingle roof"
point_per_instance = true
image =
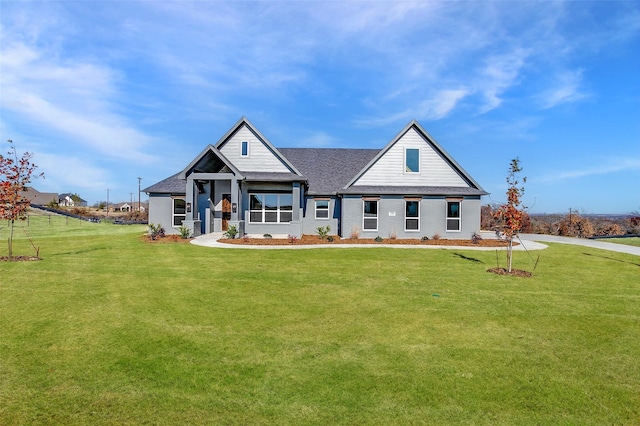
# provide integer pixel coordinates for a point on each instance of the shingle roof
(413, 190)
(328, 169)
(170, 185)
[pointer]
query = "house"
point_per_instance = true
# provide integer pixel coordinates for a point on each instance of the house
(408, 189)
(71, 200)
(41, 198)
(121, 207)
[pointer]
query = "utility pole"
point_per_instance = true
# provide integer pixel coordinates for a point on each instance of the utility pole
(139, 179)
(131, 195)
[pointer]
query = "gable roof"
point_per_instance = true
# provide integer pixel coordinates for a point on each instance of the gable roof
(171, 185)
(244, 122)
(429, 140)
(210, 158)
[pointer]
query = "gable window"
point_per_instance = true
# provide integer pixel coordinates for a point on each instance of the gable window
(270, 208)
(244, 149)
(412, 160)
(179, 211)
(322, 209)
(453, 215)
(370, 215)
(412, 215)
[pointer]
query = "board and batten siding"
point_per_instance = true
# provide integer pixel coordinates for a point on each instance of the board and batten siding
(260, 158)
(389, 169)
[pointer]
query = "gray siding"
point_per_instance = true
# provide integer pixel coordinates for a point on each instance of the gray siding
(161, 210)
(311, 224)
(260, 158)
(391, 218)
(389, 169)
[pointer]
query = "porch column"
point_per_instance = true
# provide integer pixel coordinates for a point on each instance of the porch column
(190, 199)
(234, 200)
(191, 222)
(296, 202)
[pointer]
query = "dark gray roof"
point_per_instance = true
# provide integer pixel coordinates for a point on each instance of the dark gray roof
(413, 190)
(271, 176)
(170, 185)
(328, 169)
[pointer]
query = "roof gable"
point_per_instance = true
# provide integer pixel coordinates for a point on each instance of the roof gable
(261, 155)
(436, 167)
(210, 160)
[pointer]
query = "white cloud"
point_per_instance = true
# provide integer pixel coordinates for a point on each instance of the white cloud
(612, 166)
(566, 89)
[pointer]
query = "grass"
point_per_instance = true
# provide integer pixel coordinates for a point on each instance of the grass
(631, 241)
(108, 329)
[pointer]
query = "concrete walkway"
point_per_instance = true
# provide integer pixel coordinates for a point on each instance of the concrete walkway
(211, 240)
(599, 244)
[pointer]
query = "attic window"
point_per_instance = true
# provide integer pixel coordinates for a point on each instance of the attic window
(244, 149)
(412, 160)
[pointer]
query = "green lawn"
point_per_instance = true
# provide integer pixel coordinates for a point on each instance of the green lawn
(631, 241)
(108, 329)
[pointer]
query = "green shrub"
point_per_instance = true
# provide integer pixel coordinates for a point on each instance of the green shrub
(185, 232)
(323, 231)
(232, 232)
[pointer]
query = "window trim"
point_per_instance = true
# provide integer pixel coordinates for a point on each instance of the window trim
(408, 172)
(328, 201)
(412, 200)
(244, 144)
(174, 215)
(458, 219)
(264, 210)
(377, 218)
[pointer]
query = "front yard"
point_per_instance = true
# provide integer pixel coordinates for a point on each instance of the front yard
(108, 329)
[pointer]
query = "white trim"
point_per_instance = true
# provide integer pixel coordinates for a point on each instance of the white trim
(248, 155)
(447, 218)
(173, 211)
(404, 165)
(323, 209)
(264, 211)
(412, 218)
(370, 218)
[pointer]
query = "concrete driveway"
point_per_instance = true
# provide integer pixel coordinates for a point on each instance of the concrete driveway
(599, 244)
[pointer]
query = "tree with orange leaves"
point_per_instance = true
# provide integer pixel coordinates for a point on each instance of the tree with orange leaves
(15, 175)
(511, 214)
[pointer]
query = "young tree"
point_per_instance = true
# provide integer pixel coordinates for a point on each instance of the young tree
(15, 175)
(512, 213)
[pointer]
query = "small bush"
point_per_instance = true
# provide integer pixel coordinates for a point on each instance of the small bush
(292, 239)
(232, 232)
(323, 231)
(393, 234)
(476, 238)
(185, 232)
(330, 238)
(424, 238)
(156, 231)
(267, 236)
(378, 239)
(355, 233)
(435, 236)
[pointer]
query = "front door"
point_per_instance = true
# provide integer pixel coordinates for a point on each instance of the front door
(226, 211)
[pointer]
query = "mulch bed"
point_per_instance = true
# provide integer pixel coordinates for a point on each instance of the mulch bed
(314, 239)
(167, 239)
(514, 272)
(19, 258)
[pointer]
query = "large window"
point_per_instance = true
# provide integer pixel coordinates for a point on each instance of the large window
(322, 209)
(179, 211)
(412, 160)
(370, 217)
(453, 215)
(412, 215)
(270, 208)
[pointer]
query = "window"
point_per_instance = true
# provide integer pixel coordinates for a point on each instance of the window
(370, 217)
(412, 160)
(245, 149)
(179, 211)
(453, 215)
(412, 215)
(322, 209)
(270, 208)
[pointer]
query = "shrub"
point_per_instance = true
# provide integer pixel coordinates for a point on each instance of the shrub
(378, 239)
(267, 236)
(393, 234)
(185, 232)
(292, 239)
(156, 231)
(232, 232)
(435, 236)
(424, 238)
(476, 238)
(355, 233)
(330, 238)
(323, 231)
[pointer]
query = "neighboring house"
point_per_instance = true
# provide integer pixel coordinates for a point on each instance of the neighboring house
(409, 189)
(121, 207)
(66, 200)
(36, 197)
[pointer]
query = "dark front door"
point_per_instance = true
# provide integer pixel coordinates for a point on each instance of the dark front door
(226, 211)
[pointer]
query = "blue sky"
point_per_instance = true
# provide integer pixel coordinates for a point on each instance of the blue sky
(105, 91)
